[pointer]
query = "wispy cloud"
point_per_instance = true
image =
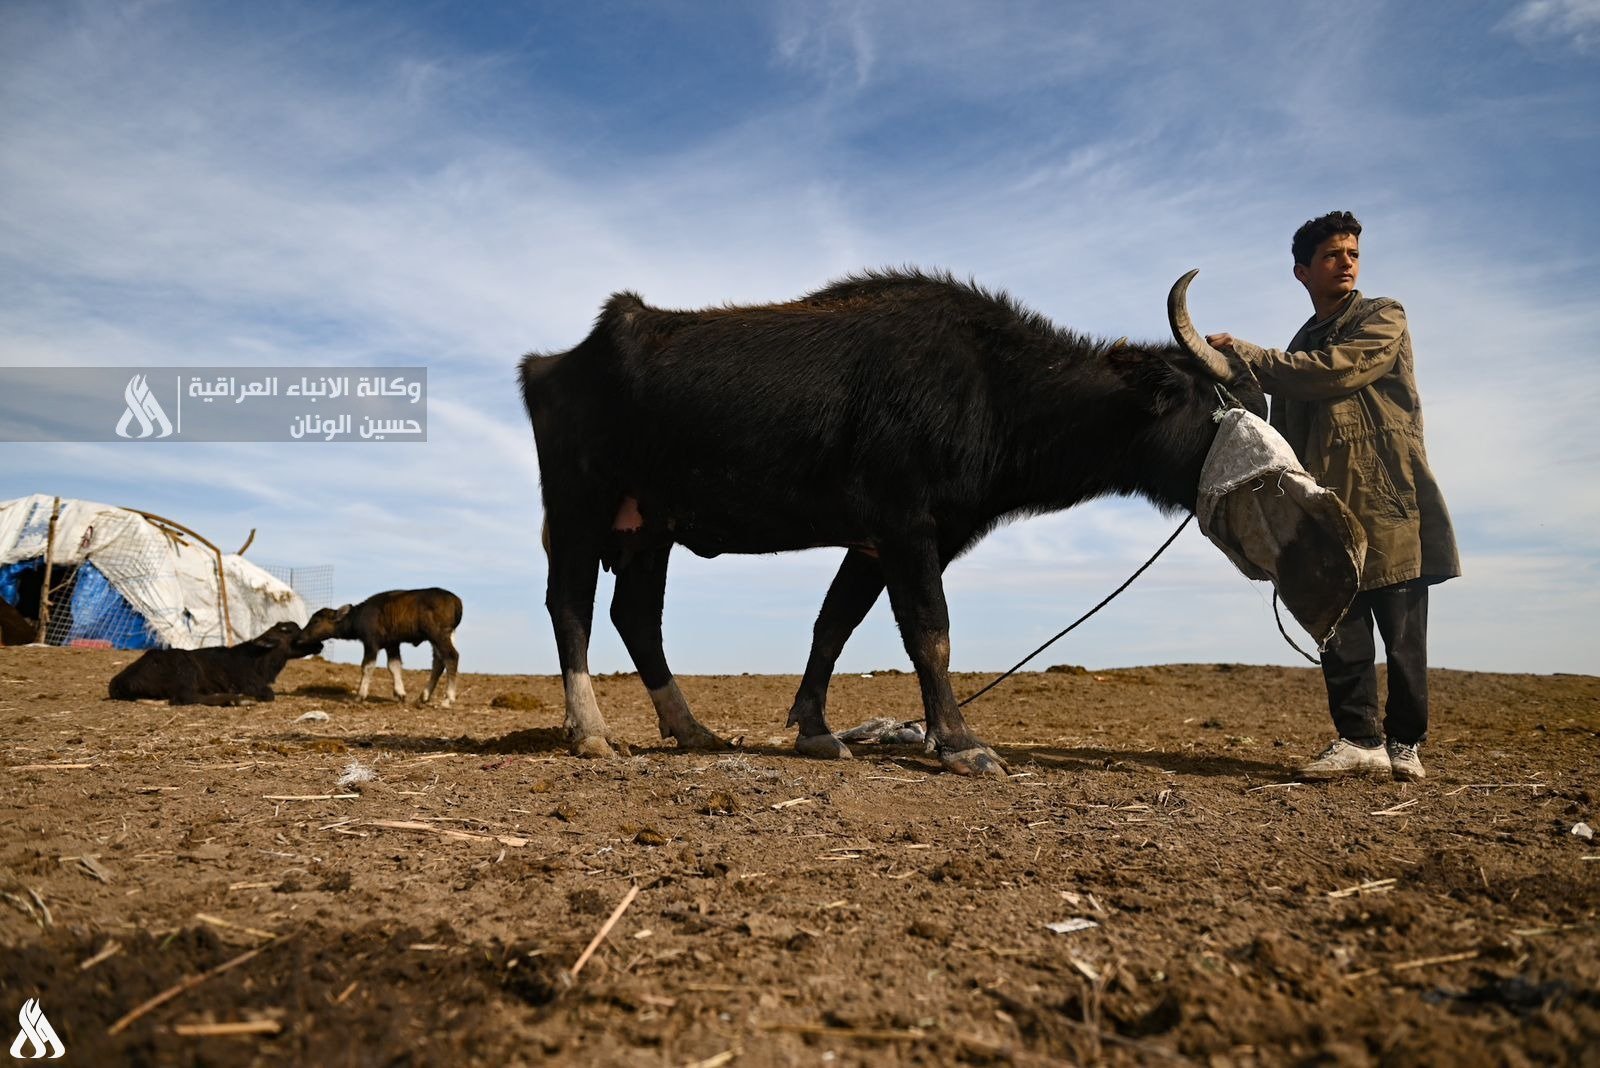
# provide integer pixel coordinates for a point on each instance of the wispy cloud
(1572, 24)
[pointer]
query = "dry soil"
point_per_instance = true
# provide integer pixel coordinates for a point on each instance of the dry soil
(788, 911)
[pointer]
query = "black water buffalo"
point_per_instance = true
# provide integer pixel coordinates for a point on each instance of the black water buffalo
(215, 675)
(900, 415)
(384, 621)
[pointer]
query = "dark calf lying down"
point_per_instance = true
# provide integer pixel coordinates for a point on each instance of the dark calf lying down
(215, 675)
(15, 628)
(385, 621)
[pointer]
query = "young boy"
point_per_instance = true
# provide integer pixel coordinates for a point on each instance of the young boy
(1344, 395)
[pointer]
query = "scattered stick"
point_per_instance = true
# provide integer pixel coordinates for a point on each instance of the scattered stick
(23, 905)
(865, 1034)
(605, 929)
(243, 1027)
(1534, 932)
(1376, 886)
(49, 920)
(1397, 809)
(1275, 786)
(310, 797)
(1410, 965)
(91, 866)
(725, 1057)
(107, 951)
(217, 921)
(251, 886)
(1498, 786)
(171, 992)
(1424, 962)
(49, 767)
(791, 803)
(446, 832)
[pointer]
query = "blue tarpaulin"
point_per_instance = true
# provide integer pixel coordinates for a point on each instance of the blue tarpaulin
(11, 579)
(98, 612)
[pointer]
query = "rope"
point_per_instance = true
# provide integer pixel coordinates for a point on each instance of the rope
(1062, 634)
(1285, 633)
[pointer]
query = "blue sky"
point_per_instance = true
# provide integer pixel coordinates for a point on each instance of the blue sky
(454, 185)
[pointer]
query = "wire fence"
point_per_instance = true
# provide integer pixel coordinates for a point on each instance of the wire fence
(76, 605)
(314, 584)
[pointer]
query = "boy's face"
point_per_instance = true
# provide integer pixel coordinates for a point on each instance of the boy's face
(1331, 275)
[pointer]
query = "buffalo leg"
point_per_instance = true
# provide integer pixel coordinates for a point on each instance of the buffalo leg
(636, 607)
(445, 659)
(851, 596)
(392, 655)
(569, 596)
(912, 572)
(369, 664)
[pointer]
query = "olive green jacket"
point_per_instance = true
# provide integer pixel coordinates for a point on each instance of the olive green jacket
(1344, 395)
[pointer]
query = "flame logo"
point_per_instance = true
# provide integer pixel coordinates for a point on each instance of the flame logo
(142, 406)
(37, 1033)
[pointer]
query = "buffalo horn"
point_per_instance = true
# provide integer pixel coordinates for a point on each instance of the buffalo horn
(1184, 333)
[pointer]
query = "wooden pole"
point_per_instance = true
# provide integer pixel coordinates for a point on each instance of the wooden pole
(229, 636)
(49, 564)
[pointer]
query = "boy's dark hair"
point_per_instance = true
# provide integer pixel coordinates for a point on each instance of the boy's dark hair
(1315, 231)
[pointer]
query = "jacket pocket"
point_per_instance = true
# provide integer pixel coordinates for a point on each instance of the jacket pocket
(1346, 421)
(1387, 502)
(1359, 477)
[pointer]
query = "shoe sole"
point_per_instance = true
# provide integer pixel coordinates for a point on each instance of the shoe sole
(1408, 776)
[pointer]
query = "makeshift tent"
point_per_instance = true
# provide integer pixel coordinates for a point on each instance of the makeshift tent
(99, 575)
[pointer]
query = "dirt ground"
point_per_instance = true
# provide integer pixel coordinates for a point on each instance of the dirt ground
(788, 911)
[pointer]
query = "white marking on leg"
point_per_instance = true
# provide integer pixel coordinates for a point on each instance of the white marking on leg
(367, 669)
(399, 683)
(672, 708)
(433, 679)
(583, 712)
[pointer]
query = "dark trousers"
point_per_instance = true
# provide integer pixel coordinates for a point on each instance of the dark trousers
(1349, 666)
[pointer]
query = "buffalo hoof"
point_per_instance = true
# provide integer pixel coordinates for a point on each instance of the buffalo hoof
(700, 738)
(594, 747)
(822, 747)
(980, 761)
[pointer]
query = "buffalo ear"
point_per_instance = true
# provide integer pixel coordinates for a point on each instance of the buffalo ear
(1159, 381)
(343, 611)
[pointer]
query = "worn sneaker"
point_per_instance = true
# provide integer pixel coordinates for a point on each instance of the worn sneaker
(1344, 758)
(1405, 762)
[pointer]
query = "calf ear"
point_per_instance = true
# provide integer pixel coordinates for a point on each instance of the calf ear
(343, 611)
